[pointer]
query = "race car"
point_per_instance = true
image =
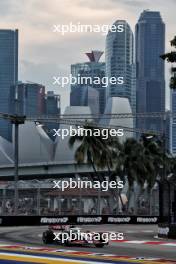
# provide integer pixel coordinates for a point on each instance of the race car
(70, 235)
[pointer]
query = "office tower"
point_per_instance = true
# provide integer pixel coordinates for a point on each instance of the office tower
(31, 99)
(85, 96)
(52, 103)
(8, 74)
(52, 108)
(150, 44)
(93, 68)
(119, 57)
(118, 105)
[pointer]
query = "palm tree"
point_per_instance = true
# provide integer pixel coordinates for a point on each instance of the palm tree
(171, 57)
(92, 150)
(140, 161)
(136, 161)
(128, 163)
(97, 151)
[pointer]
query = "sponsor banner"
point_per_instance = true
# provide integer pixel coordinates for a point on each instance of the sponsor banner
(167, 230)
(76, 220)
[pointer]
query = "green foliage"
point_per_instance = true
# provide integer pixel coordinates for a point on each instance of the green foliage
(173, 82)
(173, 70)
(171, 58)
(139, 161)
(173, 42)
(94, 150)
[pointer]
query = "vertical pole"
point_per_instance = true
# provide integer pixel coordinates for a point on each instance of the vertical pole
(170, 202)
(16, 168)
(60, 197)
(16, 124)
(4, 200)
(135, 201)
(38, 200)
(160, 186)
(99, 202)
(151, 202)
(80, 201)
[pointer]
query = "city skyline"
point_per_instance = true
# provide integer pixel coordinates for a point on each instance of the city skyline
(50, 54)
(150, 68)
(119, 59)
(8, 75)
(91, 69)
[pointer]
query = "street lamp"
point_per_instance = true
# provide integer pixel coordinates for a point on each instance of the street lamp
(17, 120)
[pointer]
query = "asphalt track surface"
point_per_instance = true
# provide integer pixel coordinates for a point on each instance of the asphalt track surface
(31, 236)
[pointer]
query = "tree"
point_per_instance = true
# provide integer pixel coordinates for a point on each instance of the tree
(155, 156)
(94, 150)
(140, 161)
(97, 151)
(135, 162)
(171, 57)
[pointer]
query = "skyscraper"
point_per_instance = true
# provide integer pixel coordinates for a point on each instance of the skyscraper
(93, 68)
(150, 44)
(8, 74)
(52, 108)
(85, 96)
(31, 99)
(52, 103)
(119, 58)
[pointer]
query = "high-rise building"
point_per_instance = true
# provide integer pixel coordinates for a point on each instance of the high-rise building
(8, 74)
(93, 68)
(119, 57)
(52, 103)
(31, 99)
(150, 44)
(85, 96)
(52, 108)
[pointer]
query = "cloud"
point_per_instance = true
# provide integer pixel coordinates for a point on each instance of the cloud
(43, 53)
(43, 73)
(132, 2)
(110, 4)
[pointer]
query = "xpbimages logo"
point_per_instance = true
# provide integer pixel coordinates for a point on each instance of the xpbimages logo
(85, 28)
(87, 80)
(79, 235)
(88, 132)
(85, 184)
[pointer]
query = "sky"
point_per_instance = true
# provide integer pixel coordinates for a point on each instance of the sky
(44, 54)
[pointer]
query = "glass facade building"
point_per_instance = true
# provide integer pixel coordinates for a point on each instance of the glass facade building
(85, 96)
(31, 99)
(8, 75)
(150, 44)
(52, 108)
(93, 68)
(52, 103)
(119, 57)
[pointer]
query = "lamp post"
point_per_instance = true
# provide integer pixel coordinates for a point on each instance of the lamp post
(17, 120)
